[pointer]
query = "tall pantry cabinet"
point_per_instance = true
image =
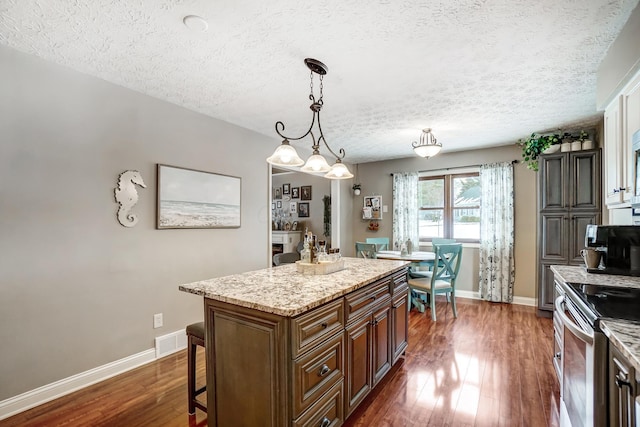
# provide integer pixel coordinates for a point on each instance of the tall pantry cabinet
(568, 200)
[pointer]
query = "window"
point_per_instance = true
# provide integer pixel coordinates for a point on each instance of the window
(449, 207)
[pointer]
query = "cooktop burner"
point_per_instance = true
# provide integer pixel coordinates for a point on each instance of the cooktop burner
(610, 302)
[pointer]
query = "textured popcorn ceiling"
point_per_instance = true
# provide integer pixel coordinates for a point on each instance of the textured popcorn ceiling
(479, 72)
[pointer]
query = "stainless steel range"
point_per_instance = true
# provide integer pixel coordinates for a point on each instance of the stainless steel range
(579, 309)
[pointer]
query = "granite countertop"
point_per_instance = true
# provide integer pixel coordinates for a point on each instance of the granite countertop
(283, 291)
(578, 274)
(625, 336)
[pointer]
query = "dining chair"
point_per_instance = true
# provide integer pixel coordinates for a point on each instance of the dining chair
(442, 280)
(285, 258)
(195, 337)
(366, 250)
(382, 243)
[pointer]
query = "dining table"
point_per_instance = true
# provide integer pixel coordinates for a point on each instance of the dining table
(414, 257)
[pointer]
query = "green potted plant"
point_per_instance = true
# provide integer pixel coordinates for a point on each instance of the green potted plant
(534, 146)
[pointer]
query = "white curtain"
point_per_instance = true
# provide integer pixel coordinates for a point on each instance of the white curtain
(497, 267)
(405, 208)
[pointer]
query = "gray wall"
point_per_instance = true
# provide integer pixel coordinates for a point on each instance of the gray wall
(376, 179)
(621, 62)
(77, 289)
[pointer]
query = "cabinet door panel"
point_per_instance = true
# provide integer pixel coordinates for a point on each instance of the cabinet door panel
(358, 366)
(545, 293)
(554, 245)
(622, 390)
(578, 223)
(613, 154)
(584, 184)
(399, 325)
(631, 123)
(553, 186)
(381, 343)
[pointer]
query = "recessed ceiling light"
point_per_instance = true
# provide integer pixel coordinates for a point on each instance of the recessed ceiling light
(196, 23)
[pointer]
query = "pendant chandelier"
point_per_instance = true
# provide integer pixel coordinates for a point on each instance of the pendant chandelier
(286, 155)
(428, 145)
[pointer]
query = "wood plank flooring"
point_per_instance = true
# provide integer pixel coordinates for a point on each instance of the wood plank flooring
(489, 367)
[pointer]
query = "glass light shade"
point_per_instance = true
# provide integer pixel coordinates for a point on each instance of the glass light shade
(339, 171)
(285, 155)
(429, 150)
(316, 163)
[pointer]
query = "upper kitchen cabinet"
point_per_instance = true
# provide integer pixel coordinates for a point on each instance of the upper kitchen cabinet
(621, 120)
(570, 180)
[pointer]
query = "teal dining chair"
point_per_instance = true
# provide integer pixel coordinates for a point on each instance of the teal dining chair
(366, 250)
(382, 243)
(442, 280)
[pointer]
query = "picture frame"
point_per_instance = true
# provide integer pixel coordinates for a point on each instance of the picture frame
(303, 210)
(372, 208)
(295, 192)
(190, 198)
(305, 192)
(277, 193)
(279, 204)
(294, 226)
(293, 207)
(286, 188)
(273, 206)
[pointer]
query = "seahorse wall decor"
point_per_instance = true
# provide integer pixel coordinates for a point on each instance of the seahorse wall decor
(127, 196)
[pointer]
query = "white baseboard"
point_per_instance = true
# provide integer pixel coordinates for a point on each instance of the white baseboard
(532, 302)
(169, 343)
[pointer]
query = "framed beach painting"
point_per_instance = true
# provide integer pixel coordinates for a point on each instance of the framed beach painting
(190, 198)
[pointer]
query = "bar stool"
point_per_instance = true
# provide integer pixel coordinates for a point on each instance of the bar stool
(195, 337)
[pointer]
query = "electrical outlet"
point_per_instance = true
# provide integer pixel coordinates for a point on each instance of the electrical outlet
(157, 321)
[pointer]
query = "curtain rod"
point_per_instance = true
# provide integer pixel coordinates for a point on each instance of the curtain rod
(458, 167)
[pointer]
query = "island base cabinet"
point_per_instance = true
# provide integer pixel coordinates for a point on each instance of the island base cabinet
(312, 369)
(248, 367)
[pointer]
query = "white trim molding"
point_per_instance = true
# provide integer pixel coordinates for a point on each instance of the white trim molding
(165, 345)
(531, 302)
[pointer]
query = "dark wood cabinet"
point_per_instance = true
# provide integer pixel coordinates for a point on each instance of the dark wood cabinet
(309, 370)
(569, 199)
(622, 390)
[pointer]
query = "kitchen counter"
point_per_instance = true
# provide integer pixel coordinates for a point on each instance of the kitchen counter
(578, 274)
(625, 336)
(283, 291)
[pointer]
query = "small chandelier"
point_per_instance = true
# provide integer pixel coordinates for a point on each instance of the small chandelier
(286, 155)
(428, 145)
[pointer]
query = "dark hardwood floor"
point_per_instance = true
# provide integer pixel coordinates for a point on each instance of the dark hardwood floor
(489, 367)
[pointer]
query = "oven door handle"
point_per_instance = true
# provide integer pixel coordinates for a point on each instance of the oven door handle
(569, 324)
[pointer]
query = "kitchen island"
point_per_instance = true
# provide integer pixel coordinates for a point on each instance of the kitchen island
(285, 348)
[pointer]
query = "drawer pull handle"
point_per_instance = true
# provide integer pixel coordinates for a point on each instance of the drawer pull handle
(324, 370)
(324, 325)
(558, 355)
(325, 422)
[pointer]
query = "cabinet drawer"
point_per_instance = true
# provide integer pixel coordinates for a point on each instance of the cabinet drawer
(326, 412)
(315, 372)
(309, 329)
(557, 357)
(360, 302)
(398, 279)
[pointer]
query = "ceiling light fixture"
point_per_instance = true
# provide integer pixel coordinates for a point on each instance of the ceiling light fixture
(428, 145)
(286, 155)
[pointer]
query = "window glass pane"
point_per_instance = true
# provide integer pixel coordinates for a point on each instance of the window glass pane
(431, 223)
(466, 224)
(431, 193)
(466, 191)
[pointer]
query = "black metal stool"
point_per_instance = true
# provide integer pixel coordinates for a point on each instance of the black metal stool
(195, 337)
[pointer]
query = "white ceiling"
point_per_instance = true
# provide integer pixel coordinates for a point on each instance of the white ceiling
(479, 72)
